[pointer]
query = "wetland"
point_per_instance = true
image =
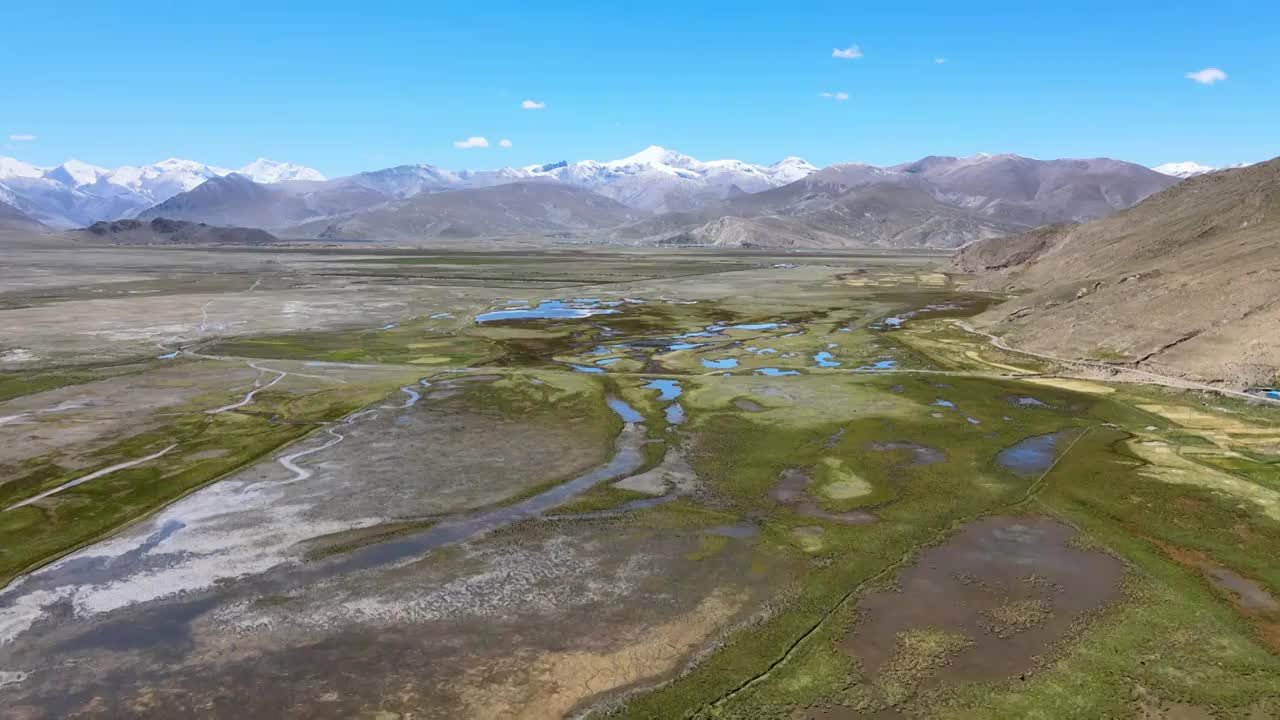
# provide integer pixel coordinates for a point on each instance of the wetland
(562, 483)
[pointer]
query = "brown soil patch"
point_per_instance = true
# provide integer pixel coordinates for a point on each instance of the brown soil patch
(793, 490)
(1249, 597)
(1010, 587)
(1151, 707)
(551, 684)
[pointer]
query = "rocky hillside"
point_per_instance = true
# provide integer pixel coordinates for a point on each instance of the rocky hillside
(1186, 282)
(11, 218)
(166, 231)
(537, 207)
(936, 202)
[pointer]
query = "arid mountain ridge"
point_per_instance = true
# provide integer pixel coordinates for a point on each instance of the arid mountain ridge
(1186, 282)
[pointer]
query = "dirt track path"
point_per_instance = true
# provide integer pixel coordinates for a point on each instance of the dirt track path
(1143, 376)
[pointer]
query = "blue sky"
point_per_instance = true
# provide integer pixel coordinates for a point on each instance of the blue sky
(344, 88)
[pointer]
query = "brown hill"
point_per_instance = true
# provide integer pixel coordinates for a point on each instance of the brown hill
(526, 208)
(1185, 282)
(164, 230)
(936, 202)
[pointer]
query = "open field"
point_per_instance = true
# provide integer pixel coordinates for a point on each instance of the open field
(342, 483)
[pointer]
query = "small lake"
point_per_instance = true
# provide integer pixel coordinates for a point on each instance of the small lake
(667, 389)
(775, 372)
(826, 360)
(1033, 455)
(549, 310)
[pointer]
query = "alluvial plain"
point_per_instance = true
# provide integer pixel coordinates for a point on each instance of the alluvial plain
(333, 482)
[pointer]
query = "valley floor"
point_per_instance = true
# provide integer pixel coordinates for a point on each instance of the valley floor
(327, 483)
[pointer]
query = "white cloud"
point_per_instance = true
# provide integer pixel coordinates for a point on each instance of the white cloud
(22, 138)
(940, 61)
(532, 105)
(853, 52)
(504, 142)
(837, 96)
(475, 141)
(1207, 76)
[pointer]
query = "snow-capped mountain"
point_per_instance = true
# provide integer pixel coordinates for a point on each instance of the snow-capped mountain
(76, 194)
(404, 181)
(11, 168)
(653, 179)
(160, 181)
(1191, 169)
(267, 171)
(662, 180)
(1183, 169)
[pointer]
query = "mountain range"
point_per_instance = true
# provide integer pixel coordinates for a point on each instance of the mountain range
(656, 196)
(75, 194)
(938, 202)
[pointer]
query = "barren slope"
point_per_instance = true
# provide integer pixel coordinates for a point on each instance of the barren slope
(1187, 281)
(513, 209)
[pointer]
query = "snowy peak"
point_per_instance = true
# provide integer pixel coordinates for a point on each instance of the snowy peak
(267, 171)
(162, 180)
(654, 156)
(660, 179)
(76, 173)
(790, 169)
(1183, 169)
(14, 168)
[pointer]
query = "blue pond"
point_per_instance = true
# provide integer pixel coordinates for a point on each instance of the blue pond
(168, 356)
(551, 309)
(586, 369)
(667, 389)
(775, 372)
(625, 411)
(720, 364)
(675, 414)
(880, 365)
(1031, 456)
(1273, 394)
(826, 360)
(754, 326)
(944, 403)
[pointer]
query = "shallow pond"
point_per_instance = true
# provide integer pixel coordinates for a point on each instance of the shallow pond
(775, 372)
(1033, 455)
(549, 310)
(826, 360)
(667, 389)
(624, 411)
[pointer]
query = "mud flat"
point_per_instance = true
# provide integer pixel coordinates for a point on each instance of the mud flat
(984, 605)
